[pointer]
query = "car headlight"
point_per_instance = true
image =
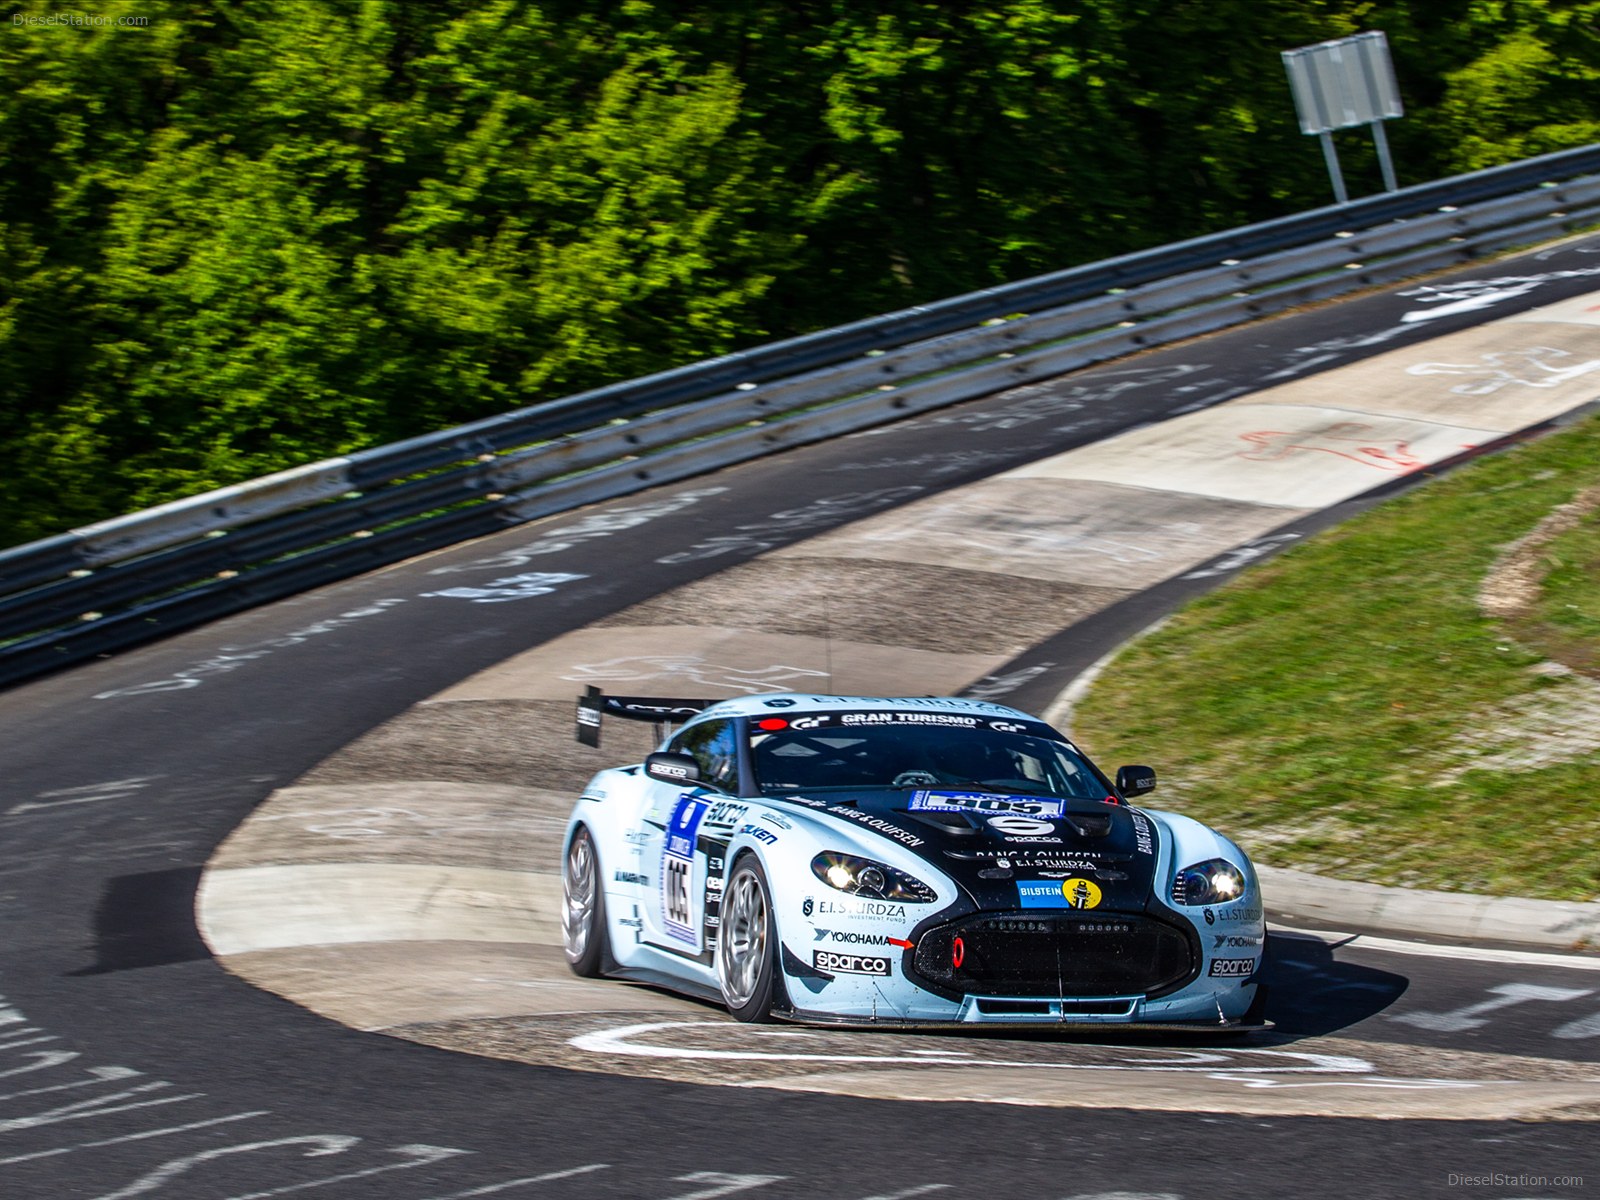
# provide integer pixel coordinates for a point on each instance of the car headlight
(1215, 881)
(863, 877)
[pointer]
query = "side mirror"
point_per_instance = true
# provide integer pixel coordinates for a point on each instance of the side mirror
(1135, 781)
(672, 768)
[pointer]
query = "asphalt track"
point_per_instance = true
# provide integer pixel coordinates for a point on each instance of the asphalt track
(131, 1064)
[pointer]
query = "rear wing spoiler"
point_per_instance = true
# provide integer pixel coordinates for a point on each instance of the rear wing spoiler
(594, 705)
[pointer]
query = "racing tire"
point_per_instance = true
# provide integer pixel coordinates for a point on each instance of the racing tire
(583, 907)
(747, 945)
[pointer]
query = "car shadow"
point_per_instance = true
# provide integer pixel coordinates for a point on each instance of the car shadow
(1311, 993)
(146, 920)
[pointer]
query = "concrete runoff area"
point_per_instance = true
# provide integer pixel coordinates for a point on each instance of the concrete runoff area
(410, 884)
(1115, 537)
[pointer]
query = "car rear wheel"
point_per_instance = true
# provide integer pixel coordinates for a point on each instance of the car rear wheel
(583, 925)
(747, 944)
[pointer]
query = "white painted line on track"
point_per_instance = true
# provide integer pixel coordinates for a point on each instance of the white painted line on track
(1531, 958)
(492, 1188)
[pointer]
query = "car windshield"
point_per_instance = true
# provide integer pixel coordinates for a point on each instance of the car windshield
(821, 752)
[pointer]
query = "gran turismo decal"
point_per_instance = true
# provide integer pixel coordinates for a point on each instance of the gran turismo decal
(1069, 893)
(949, 720)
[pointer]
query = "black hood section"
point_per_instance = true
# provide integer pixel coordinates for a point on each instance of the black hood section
(1012, 851)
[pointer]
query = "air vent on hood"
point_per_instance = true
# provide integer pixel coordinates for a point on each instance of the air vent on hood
(1089, 825)
(957, 823)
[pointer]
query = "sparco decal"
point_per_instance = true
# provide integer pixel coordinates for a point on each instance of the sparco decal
(1233, 967)
(849, 964)
(1141, 833)
(725, 812)
(878, 823)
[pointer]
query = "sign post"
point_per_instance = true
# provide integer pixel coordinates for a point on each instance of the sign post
(1346, 82)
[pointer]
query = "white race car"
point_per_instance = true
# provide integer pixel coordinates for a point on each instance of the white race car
(903, 861)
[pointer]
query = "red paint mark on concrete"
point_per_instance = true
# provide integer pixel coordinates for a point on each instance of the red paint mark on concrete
(1347, 439)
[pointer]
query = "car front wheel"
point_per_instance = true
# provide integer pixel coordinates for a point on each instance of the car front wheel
(747, 944)
(583, 925)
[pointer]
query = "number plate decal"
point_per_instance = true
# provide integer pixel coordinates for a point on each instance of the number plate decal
(677, 869)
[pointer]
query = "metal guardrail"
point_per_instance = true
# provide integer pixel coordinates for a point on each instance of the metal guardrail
(112, 584)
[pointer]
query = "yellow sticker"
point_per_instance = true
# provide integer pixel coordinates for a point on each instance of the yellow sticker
(1080, 893)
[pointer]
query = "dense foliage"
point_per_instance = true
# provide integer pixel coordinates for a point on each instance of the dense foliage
(1387, 729)
(253, 233)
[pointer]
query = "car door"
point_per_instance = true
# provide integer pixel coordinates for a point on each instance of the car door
(686, 830)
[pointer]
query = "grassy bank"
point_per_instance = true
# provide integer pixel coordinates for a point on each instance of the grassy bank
(1350, 707)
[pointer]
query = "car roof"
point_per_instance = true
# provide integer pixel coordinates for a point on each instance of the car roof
(777, 702)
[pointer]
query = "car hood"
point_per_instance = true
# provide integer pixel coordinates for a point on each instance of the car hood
(1009, 850)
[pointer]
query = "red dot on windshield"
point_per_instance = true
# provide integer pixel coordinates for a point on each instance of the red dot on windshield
(772, 723)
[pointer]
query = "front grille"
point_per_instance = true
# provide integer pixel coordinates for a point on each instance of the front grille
(1077, 954)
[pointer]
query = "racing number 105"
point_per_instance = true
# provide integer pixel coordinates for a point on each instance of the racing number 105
(677, 880)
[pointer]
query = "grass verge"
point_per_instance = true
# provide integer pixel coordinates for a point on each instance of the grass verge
(1349, 708)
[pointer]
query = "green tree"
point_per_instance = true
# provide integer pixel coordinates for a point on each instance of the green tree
(253, 234)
